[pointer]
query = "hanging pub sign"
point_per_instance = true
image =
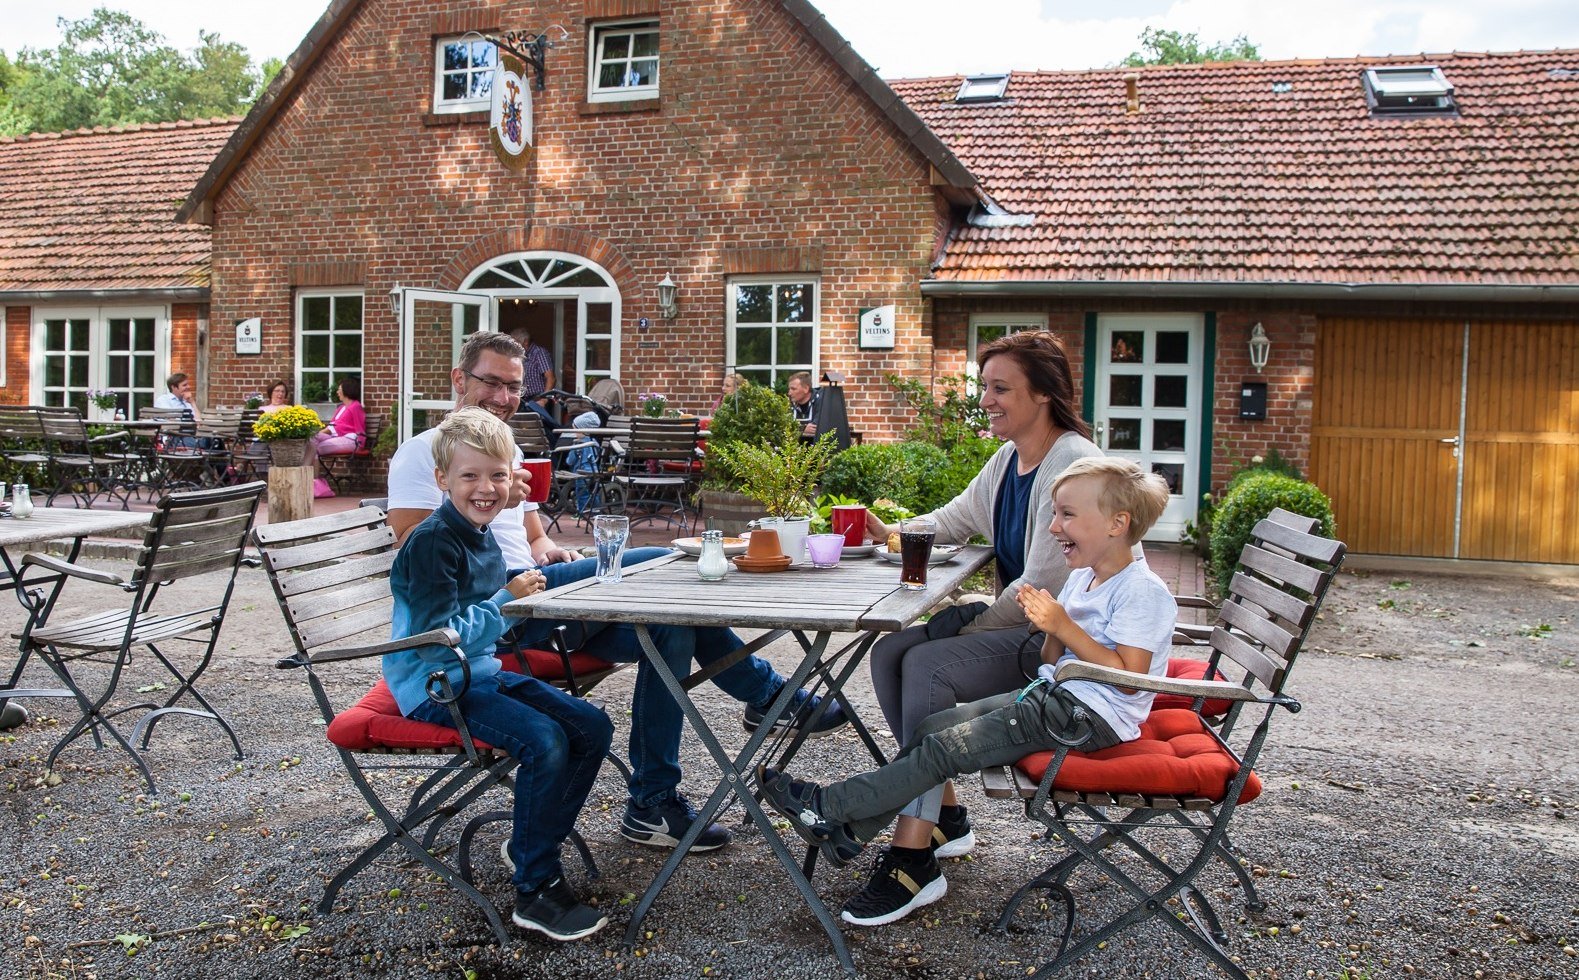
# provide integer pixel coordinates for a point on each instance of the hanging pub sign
(510, 120)
(877, 328)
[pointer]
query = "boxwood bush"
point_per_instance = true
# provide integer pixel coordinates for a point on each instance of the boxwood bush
(918, 475)
(1252, 498)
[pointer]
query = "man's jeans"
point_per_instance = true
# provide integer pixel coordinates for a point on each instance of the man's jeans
(559, 741)
(994, 731)
(655, 717)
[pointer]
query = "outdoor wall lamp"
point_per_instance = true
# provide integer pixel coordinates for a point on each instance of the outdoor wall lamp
(668, 298)
(394, 300)
(1260, 347)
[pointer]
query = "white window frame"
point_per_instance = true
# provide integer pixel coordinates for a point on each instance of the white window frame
(443, 105)
(302, 296)
(775, 370)
(1014, 322)
(98, 318)
(1391, 89)
(982, 88)
(597, 36)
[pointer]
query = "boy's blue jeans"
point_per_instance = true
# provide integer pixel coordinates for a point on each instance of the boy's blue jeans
(560, 742)
(655, 717)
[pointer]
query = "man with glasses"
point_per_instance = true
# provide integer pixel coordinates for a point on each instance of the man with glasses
(489, 376)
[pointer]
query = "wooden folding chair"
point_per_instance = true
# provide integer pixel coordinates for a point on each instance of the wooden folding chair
(191, 534)
(1182, 777)
(331, 576)
(645, 488)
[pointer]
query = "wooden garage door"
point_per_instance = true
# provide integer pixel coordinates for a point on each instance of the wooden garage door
(1386, 396)
(1521, 456)
(1393, 400)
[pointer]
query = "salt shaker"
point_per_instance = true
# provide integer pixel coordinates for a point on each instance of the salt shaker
(712, 565)
(22, 502)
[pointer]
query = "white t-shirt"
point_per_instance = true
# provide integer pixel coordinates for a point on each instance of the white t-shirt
(1133, 608)
(411, 485)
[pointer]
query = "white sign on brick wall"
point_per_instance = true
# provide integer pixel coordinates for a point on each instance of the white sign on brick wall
(877, 328)
(249, 336)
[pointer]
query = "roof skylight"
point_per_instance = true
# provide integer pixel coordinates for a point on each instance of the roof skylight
(982, 88)
(1408, 89)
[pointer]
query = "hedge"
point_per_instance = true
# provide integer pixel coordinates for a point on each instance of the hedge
(1251, 499)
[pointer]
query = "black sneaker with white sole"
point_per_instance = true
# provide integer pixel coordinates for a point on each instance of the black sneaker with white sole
(801, 802)
(801, 708)
(663, 824)
(953, 836)
(554, 910)
(899, 885)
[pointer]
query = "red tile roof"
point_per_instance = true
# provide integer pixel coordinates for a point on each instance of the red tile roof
(95, 209)
(1221, 178)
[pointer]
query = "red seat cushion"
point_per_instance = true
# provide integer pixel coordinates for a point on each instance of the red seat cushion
(675, 466)
(545, 665)
(375, 722)
(1174, 756)
(1194, 670)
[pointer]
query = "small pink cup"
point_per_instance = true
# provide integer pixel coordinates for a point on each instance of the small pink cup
(850, 521)
(542, 473)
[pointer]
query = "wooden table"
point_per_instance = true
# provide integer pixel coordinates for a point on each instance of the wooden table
(860, 596)
(611, 431)
(49, 524)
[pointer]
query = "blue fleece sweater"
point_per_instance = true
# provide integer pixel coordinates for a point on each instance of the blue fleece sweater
(448, 573)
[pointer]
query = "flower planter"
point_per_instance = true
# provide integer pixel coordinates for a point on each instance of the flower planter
(288, 452)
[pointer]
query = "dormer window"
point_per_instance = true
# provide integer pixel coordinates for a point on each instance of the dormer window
(982, 88)
(463, 74)
(624, 61)
(1409, 90)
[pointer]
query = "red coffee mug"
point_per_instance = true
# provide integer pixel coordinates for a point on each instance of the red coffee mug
(541, 472)
(850, 521)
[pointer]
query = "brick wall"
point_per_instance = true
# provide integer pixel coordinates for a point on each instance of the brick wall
(759, 146)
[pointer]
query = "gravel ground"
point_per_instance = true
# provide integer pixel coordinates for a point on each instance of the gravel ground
(1421, 817)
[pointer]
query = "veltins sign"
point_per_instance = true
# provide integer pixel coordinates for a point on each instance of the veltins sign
(877, 328)
(249, 336)
(510, 118)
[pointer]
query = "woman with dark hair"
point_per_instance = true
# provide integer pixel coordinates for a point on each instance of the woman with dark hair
(346, 431)
(276, 396)
(970, 652)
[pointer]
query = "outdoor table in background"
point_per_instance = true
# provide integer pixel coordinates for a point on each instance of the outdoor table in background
(611, 432)
(17, 537)
(860, 596)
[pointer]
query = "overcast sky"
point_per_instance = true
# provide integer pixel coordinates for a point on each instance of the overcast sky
(911, 38)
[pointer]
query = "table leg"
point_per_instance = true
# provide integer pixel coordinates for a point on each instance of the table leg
(735, 773)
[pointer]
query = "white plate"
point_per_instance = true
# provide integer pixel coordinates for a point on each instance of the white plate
(857, 550)
(941, 554)
(693, 546)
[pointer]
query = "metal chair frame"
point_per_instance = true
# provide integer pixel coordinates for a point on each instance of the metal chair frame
(646, 486)
(1282, 578)
(82, 466)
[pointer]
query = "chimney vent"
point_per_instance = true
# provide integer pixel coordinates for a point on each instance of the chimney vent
(1132, 93)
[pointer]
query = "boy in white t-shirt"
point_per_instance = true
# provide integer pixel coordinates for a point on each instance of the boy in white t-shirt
(1113, 610)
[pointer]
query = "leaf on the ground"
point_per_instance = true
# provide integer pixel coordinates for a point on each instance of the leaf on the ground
(131, 940)
(149, 688)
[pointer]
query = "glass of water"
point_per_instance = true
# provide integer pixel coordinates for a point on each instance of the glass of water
(610, 533)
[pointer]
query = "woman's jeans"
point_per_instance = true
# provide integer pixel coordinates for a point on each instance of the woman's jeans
(655, 716)
(559, 741)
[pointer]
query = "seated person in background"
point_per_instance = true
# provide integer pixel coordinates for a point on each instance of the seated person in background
(731, 385)
(277, 397)
(1113, 610)
(346, 431)
(450, 573)
(803, 404)
(178, 397)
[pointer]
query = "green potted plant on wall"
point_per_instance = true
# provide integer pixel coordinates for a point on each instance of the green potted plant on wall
(753, 416)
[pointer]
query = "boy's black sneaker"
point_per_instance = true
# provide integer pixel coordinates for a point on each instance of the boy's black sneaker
(665, 822)
(953, 836)
(554, 910)
(899, 885)
(801, 802)
(799, 712)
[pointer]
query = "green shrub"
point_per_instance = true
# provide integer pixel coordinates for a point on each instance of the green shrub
(754, 416)
(937, 486)
(869, 471)
(1254, 495)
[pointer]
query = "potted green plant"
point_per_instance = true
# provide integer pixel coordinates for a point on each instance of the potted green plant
(754, 416)
(286, 432)
(783, 479)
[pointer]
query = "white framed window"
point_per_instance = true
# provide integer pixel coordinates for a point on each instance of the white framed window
(622, 61)
(982, 88)
(1408, 89)
(463, 74)
(328, 341)
(121, 350)
(987, 327)
(773, 327)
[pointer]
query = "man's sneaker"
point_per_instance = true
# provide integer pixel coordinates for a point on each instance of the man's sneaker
(555, 911)
(800, 710)
(898, 886)
(665, 822)
(504, 852)
(801, 802)
(953, 836)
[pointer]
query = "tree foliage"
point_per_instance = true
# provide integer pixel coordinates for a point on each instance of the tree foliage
(1164, 47)
(110, 69)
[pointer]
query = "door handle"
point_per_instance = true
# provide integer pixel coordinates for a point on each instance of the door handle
(1101, 430)
(1451, 441)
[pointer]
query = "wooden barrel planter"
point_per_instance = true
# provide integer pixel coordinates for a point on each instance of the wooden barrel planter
(729, 512)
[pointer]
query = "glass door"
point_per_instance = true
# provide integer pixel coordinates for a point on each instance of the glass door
(1148, 403)
(433, 325)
